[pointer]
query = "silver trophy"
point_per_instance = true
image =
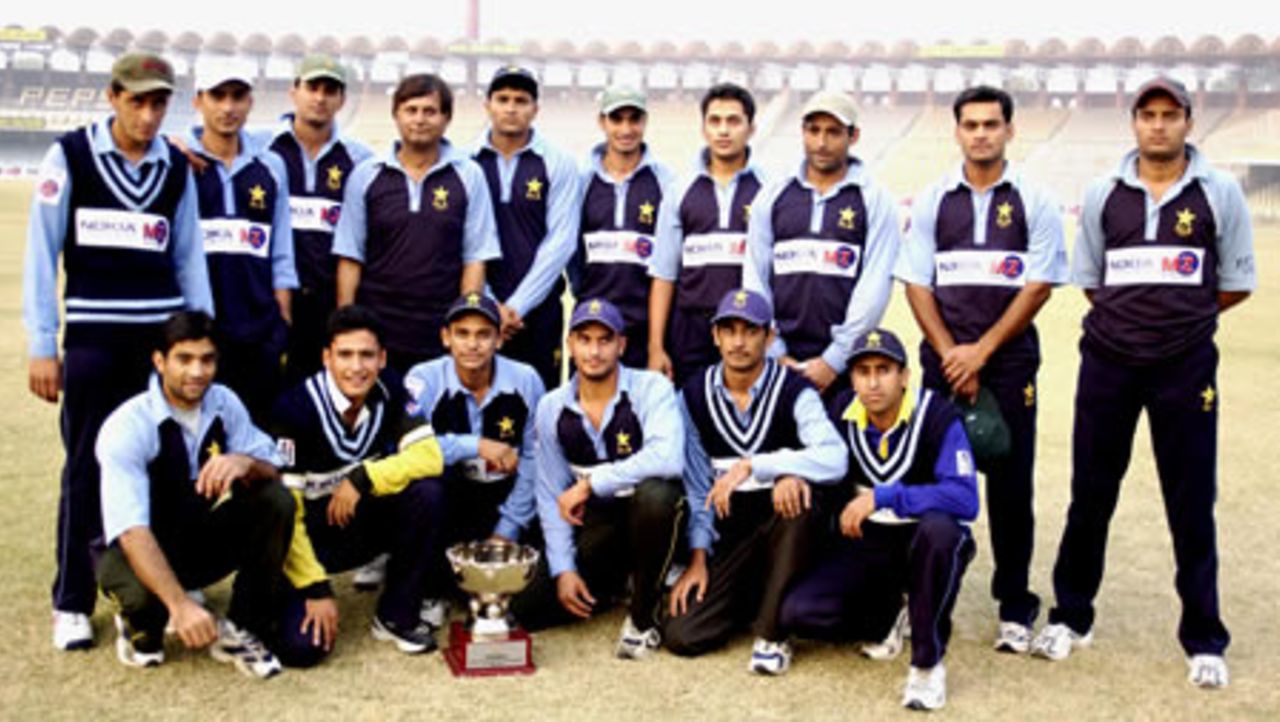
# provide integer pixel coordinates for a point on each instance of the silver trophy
(491, 572)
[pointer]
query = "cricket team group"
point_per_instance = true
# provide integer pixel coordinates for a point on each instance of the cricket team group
(285, 356)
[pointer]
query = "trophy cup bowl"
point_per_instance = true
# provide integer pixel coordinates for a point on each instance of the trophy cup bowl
(491, 572)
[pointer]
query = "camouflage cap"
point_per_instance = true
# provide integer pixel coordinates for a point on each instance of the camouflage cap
(319, 65)
(142, 73)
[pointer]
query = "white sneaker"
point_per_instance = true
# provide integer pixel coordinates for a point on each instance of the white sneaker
(926, 688)
(370, 576)
(1055, 642)
(128, 654)
(419, 640)
(891, 646)
(1207, 671)
(246, 651)
(770, 658)
(71, 631)
(1013, 638)
(636, 643)
(434, 613)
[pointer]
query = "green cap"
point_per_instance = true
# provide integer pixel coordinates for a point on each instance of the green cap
(314, 67)
(986, 428)
(142, 73)
(616, 97)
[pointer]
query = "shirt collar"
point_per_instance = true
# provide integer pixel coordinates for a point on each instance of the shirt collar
(702, 165)
(717, 379)
(159, 404)
(624, 385)
(1009, 175)
(500, 383)
(448, 156)
(195, 138)
(857, 413)
(855, 174)
(597, 163)
(103, 143)
(534, 144)
(286, 128)
(1127, 171)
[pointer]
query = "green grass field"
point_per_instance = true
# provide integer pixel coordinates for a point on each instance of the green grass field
(1134, 671)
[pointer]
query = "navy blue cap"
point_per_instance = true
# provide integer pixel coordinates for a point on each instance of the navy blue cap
(474, 302)
(597, 310)
(513, 76)
(878, 342)
(746, 305)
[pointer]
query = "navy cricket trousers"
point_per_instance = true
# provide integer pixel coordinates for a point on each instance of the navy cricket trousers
(1181, 399)
(1010, 482)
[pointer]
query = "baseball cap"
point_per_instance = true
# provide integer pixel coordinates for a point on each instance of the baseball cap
(616, 97)
(213, 73)
(514, 76)
(746, 305)
(597, 310)
(142, 73)
(988, 433)
(1164, 85)
(474, 302)
(834, 103)
(319, 65)
(878, 342)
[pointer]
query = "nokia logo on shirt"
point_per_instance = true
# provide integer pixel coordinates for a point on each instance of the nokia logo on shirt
(157, 232)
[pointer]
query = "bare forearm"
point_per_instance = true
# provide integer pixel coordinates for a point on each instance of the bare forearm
(660, 294)
(149, 563)
(1016, 317)
(1227, 299)
(925, 308)
(348, 281)
(472, 277)
(284, 299)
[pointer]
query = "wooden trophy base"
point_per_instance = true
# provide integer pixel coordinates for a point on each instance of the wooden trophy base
(470, 657)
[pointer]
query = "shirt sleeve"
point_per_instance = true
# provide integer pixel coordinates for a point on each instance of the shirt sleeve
(46, 229)
(668, 239)
(821, 459)
(915, 264)
(554, 476)
(480, 234)
(284, 272)
(663, 448)
(520, 506)
(1236, 269)
(242, 436)
(699, 475)
(955, 492)
(349, 236)
(563, 216)
(871, 295)
(123, 454)
(190, 267)
(1046, 242)
(757, 267)
(1086, 261)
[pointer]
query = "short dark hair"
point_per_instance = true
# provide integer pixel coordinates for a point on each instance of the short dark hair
(420, 84)
(984, 94)
(731, 91)
(183, 326)
(352, 318)
(342, 88)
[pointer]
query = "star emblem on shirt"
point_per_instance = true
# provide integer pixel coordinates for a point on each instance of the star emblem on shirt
(847, 216)
(440, 198)
(533, 190)
(1004, 215)
(1209, 396)
(646, 213)
(335, 178)
(258, 197)
(624, 443)
(214, 449)
(506, 427)
(1185, 220)
(1029, 394)
(746, 213)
